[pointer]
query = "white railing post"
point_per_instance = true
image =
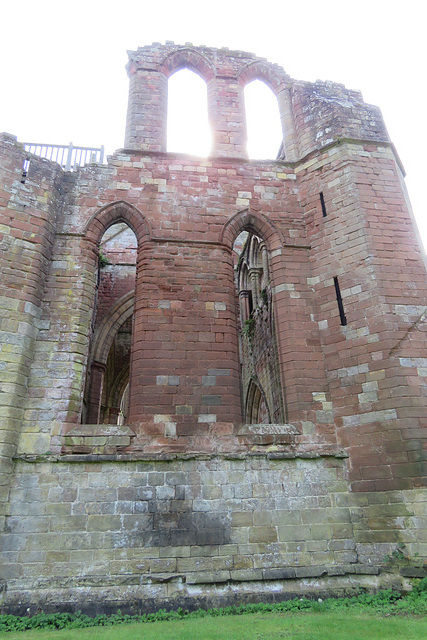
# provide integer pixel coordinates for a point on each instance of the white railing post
(69, 155)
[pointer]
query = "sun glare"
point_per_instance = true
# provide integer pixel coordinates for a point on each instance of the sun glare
(188, 125)
(262, 121)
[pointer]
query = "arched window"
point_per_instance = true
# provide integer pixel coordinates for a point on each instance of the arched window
(188, 125)
(264, 129)
(108, 371)
(256, 408)
(261, 387)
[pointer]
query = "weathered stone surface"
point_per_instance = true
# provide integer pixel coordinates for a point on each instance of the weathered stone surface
(158, 493)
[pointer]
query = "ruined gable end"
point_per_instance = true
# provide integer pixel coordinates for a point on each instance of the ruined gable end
(213, 371)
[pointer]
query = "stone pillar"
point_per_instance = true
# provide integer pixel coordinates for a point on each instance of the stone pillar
(265, 270)
(290, 142)
(227, 117)
(245, 306)
(185, 362)
(146, 121)
(254, 275)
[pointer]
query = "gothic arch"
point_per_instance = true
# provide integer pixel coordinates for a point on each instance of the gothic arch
(256, 223)
(262, 385)
(259, 70)
(280, 83)
(255, 397)
(103, 339)
(188, 59)
(107, 330)
(120, 211)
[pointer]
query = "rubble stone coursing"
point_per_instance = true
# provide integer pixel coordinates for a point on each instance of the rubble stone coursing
(184, 504)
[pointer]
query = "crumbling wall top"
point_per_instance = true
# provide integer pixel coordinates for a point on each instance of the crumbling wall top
(312, 114)
(171, 57)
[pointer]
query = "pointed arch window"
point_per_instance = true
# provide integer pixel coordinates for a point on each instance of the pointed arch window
(262, 400)
(187, 122)
(109, 364)
(264, 129)
(256, 408)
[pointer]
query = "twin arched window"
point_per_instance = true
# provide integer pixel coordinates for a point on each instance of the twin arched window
(188, 122)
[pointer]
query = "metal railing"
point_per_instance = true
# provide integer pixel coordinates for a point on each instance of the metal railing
(68, 156)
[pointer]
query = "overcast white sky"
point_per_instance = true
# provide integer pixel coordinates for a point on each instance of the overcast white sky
(63, 78)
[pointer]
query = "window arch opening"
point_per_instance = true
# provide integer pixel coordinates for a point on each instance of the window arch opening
(116, 377)
(264, 129)
(262, 400)
(111, 341)
(256, 408)
(187, 123)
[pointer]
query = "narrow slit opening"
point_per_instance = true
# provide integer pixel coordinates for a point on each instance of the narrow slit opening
(25, 169)
(340, 303)
(322, 202)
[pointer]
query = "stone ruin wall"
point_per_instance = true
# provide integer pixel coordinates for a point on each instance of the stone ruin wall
(185, 504)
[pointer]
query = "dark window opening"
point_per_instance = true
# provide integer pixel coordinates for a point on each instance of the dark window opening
(250, 302)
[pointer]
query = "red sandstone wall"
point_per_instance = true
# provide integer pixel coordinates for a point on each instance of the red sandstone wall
(364, 382)
(375, 363)
(185, 315)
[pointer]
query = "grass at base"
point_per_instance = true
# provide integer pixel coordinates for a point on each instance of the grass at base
(345, 625)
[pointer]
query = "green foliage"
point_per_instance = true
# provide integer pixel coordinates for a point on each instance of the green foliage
(400, 555)
(249, 327)
(386, 602)
(264, 296)
(102, 260)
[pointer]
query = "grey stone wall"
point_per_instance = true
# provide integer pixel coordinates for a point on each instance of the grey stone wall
(138, 535)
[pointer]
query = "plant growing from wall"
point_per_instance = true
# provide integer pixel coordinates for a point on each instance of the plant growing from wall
(400, 556)
(103, 261)
(249, 327)
(264, 297)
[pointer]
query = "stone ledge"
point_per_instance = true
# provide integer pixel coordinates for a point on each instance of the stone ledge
(97, 438)
(206, 577)
(91, 430)
(140, 599)
(139, 441)
(139, 456)
(280, 162)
